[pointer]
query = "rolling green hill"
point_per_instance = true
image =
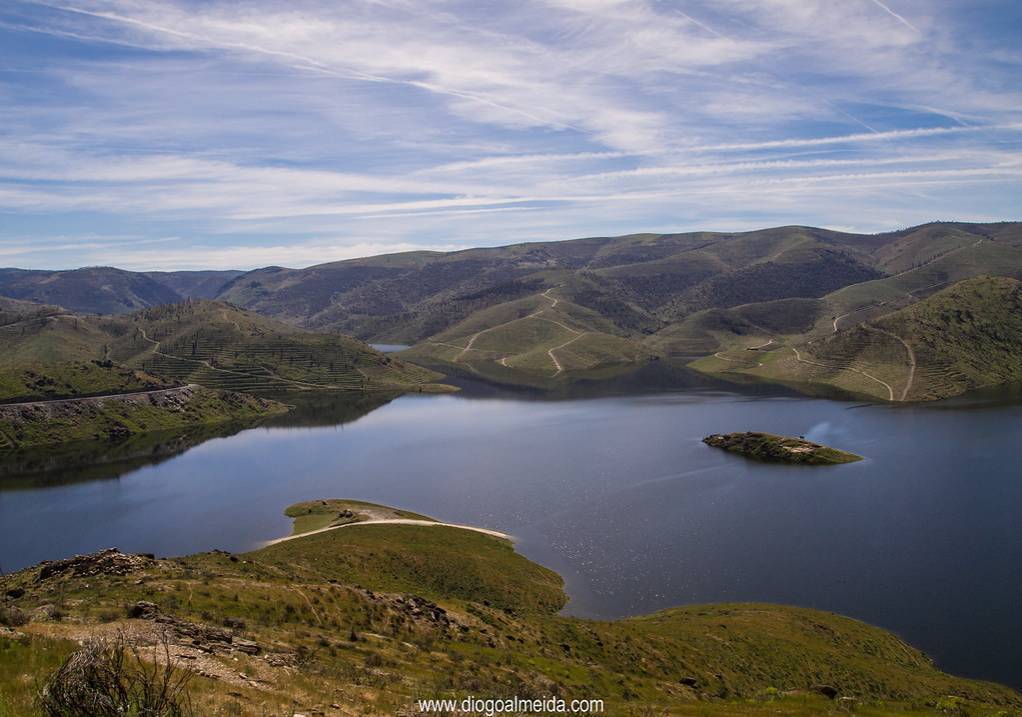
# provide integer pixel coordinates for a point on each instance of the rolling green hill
(366, 619)
(625, 299)
(965, 336)
(67, 377)
(215, 344)
(57, 354)
(620, 300)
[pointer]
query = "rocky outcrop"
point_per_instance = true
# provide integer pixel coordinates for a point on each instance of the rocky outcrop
(106, 562)
(206, 638)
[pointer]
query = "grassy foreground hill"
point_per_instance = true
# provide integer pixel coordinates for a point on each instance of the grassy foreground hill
(367, 619)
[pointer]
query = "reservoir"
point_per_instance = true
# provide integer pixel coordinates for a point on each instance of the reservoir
(615, 492)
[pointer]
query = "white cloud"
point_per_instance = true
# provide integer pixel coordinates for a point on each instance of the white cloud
(401, 124)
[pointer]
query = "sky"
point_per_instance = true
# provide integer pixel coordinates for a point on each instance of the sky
(188, 134)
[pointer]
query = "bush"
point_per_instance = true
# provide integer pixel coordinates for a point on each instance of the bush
(110, 678)
(13, 617)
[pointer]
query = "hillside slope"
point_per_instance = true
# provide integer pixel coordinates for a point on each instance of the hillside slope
(366, 619)
(94, 290)
(622, 300)
(965, 336)
(215, 344)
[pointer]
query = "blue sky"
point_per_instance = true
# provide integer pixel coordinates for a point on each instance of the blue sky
(180, 134)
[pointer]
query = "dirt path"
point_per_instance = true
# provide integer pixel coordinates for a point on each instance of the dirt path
(554, 301)
(550, 352)
(94, 399)
(393, 521)
(743, 362)
(911, 360)
(890, 391)
(761, 346)
(838, 318)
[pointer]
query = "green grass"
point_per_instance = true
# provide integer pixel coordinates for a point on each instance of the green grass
(316, 514)
(341, 602)
(963, 337)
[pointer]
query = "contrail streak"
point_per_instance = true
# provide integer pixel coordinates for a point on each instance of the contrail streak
(895, 15)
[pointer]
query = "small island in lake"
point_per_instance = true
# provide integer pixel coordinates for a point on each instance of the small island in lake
(782, 449)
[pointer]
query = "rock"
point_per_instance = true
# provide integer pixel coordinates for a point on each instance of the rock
(247, 646)
(144, 610)
(12, 634)
(828, 691)
(688, 681)
(106, 562)
(15, 593)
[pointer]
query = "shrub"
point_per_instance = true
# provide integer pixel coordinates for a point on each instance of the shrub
(110, 678)
(13, 616)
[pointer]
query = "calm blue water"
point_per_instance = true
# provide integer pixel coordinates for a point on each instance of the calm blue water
(619, 495)
(390, 348)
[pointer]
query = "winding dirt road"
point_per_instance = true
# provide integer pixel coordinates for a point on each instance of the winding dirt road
(890, 391)
(554, 301)
(394, 521)
(911, 360)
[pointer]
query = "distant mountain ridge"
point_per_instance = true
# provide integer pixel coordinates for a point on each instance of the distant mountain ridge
(544, 311)
(108, 290)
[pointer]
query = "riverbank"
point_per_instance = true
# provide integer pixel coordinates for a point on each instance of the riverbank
(116, 417)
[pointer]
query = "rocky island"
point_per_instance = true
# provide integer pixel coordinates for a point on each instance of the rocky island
(779, 449)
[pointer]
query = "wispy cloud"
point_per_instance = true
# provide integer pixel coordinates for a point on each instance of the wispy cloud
(243, 130)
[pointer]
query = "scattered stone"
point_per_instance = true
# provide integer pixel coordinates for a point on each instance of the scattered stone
(206, 638)
(12, 634)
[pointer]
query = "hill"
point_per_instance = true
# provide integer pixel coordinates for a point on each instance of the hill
(105, 290)
(622, 300)
(367, 619)
(963, 337)
(548, 313)
(56, 354)
(67, 377)
(94, 290)
(194, 284)
(216, 344)
(45, 424)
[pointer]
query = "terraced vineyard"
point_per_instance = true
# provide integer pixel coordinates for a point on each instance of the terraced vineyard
(224, 347)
